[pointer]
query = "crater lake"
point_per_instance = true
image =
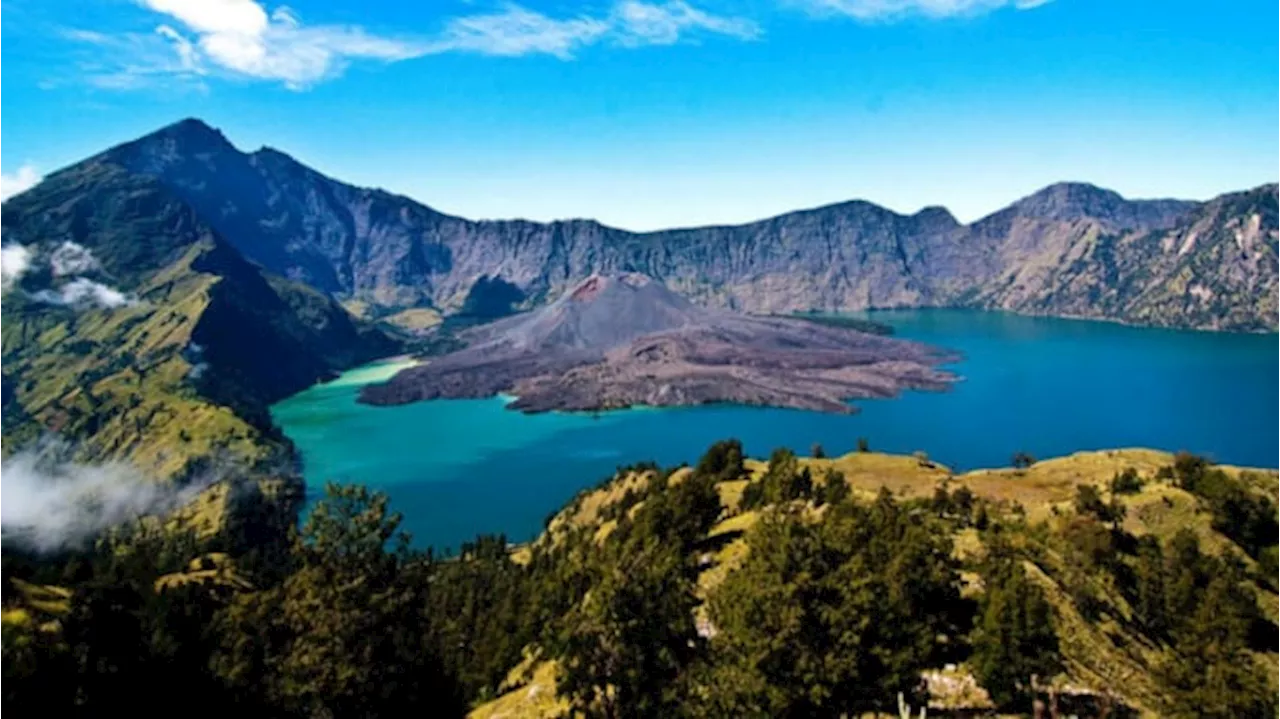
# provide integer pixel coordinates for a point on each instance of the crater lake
(1047, 386)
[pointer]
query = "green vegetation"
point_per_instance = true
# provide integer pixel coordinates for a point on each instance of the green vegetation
(1240, 513)
(1015, 642)
(797, 587)
(1022, 460)
(792, 630)
(178, 378)
(784, 480)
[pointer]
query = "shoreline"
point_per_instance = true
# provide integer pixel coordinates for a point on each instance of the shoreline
(379, 370)
(1054, 316)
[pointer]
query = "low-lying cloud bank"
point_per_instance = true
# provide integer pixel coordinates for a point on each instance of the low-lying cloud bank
(84, 292)
(15, 260)
(49, 503)
(69, 259)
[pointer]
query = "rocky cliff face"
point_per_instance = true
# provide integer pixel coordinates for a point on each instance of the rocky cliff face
(1215, 269)
(1050, 252)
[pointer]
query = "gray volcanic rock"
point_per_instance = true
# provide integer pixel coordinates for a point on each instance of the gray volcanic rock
(615, 341)
(1213, 269)
(602, 312)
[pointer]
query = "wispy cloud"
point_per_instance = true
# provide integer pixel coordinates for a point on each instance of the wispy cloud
(240, 38)
(131, 61)
(193, 353)
(643, 23)
(24, 179)
(68, 258)
(872, 10)
(518, 31)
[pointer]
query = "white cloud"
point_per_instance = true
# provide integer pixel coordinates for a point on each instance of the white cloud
(242, 17)
(897, 9)
(72, 259)
(188, 54)
(131, 61)
(24, 179)
(240, 38)
(14, 262)
(83, 293)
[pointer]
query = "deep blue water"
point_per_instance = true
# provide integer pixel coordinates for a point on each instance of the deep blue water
(1050, 387)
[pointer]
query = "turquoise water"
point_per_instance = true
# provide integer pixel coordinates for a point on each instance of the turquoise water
(456, 468)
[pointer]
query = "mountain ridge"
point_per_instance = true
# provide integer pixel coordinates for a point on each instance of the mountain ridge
(200, 131)
(394, 252)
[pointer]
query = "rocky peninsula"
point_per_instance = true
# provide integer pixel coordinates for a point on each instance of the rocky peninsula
(620, 340)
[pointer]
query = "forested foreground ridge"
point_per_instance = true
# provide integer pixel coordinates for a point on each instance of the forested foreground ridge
(1116, 583)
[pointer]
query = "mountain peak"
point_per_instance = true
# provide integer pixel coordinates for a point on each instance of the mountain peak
(192, 133)
(597, 283)
(1071, 201)
(598, 313)
(172, 145)
(937, 214)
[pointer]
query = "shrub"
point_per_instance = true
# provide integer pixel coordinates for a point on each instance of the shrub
(1126, 482)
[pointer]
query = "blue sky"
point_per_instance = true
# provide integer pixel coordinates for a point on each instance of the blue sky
(656, 114)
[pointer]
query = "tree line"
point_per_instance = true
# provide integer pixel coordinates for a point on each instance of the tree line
(840, 604)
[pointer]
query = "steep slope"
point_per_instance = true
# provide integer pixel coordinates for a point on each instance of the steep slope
(1216, 268)
(289, 218)
(141, 335)
(602, 312)
(621, 340)
(843, 256)
(375, 247)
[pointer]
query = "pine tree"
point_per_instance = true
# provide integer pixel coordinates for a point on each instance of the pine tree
(1015, 638)
(831, 618)
(1208, 670)
(623, 652)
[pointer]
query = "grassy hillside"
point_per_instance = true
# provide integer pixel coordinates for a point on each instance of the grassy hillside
(169, 362)
(1102, 648)
(119, 380)
(137, 336)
